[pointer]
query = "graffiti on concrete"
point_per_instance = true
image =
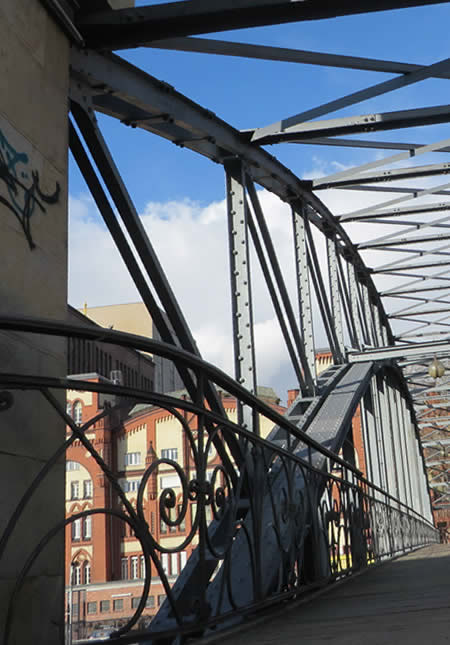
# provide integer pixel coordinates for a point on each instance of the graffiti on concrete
(23, 195)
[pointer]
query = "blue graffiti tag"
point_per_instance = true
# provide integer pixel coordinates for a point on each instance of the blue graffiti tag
(24, 193)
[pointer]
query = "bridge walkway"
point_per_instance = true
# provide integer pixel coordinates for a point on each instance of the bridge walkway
(405, 601)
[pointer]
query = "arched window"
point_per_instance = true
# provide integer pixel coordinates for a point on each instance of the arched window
(77, 412)
(69, 408)
(86, 573)
(76, 573)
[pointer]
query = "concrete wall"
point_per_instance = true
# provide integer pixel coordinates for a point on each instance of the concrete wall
(34, 57)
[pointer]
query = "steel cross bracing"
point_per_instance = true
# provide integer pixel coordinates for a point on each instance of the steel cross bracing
(303, 495)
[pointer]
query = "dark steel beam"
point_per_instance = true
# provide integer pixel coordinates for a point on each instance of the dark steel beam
(385, 175)
(363, 143)
(352, 99)
(390, 189)
(283, 54)
(384, 243)
(374, 122)
(417, 351)
(63, 11)
(411, 266)
(127, 28)
(398, 212)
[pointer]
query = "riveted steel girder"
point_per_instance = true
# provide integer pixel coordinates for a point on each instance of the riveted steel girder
(127, 28)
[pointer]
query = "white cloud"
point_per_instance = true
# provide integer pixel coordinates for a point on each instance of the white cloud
(191, 242)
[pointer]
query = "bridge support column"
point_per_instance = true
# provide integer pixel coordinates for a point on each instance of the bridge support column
(241, 296)
(33, 248)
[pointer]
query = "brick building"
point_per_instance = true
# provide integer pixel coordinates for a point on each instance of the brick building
(105, 567)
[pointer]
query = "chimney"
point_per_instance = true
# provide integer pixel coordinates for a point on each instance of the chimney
(292, 395)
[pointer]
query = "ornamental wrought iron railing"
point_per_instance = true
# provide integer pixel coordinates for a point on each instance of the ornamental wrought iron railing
(272, 517)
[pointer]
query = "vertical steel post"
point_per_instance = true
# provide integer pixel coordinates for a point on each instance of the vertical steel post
(303, 285)
(388, 440)
(354, 299)
(368, 314)
(378, 326)
(404, 452)
(244, 347)
(406, 422)
(334, 291)
(398, 454)
(413, 460)
(379, 432)
(373, 462)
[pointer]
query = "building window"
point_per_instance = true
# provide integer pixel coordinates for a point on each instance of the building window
(162, 526)
(174, 564)
(87, 573)
(69, 408)
(161, 599)
(87, 527)
(134, 567)
(74, 490)
(72, 465)
(132, 459)
(104, 606)
(124, 568)
(76, 573)
(78, 412)
(91, 607)
(165, 563)
(135, 602)
(142, 566)
(118, 604)
(131, 485)
(87, 488)
(170, 453)
(150, 601)
(183, 558)
(76, 530)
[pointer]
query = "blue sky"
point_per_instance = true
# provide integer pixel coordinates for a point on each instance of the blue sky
(180, 195)
(249, 93)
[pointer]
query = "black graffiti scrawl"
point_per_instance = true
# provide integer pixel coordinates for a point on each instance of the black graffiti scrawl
(23, 195)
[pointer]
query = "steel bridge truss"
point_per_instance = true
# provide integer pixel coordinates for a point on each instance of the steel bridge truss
(340, 483)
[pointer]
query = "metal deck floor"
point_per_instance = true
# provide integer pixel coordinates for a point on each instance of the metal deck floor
(406, 601)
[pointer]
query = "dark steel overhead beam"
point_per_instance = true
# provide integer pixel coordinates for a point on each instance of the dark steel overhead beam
(384, 243)
(127, 28)
(351, 99)
(356, 171)
(374, 122)
(397, 212)
(286, 55)
(404, 235)
(376, 208)
(385, 175)
(423, 312)
(390, 189)
(362, 143)
(417, 351)
(418, 265)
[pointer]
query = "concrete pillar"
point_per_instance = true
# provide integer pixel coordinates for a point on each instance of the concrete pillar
(34, 59)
